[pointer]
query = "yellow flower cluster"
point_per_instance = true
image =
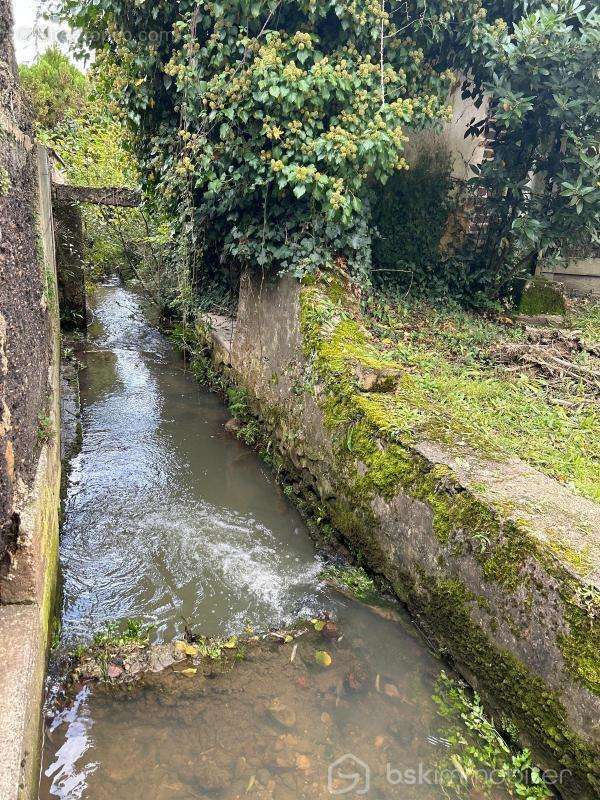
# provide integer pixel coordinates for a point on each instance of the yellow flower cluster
(172, 68)
(343, 141)
(268, 55)
(302, 174)
(272, 131)
(403, 108)
(292, 72)
(322, 68)
(303, 41)
(365, 11)
(336, 197)
(185, 166)
(367, 68)
(398, 136)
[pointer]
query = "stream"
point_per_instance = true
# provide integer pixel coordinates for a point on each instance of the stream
(170, 520)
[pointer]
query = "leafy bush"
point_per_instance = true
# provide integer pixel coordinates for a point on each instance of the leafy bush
(539, 68)
(267, 124)
(410, 215)
(56, 88)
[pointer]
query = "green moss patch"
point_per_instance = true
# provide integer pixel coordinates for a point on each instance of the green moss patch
(541, 296)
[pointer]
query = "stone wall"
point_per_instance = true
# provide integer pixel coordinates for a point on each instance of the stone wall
(25, 325)
(29, 430)
(488, 556)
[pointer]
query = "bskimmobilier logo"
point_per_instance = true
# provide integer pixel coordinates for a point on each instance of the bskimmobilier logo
(348, 774)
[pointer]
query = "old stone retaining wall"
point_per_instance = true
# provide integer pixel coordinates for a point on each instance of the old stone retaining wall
(29, 429)
(498, 562)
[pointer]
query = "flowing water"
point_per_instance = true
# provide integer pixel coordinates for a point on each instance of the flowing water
(169, 519)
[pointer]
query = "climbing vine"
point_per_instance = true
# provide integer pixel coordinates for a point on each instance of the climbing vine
(269, 126)
(274, 121)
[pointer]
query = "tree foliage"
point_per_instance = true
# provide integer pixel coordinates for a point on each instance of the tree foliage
(93, 145)
(272, 121)
(269, 126)
(56, 88)
(544, 178)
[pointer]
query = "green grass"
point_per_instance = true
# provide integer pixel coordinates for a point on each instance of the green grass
(584, 316)
(451, 390)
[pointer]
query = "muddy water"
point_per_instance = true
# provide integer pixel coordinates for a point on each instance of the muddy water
(168, 519)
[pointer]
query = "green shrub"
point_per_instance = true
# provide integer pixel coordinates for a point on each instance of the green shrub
(410, 215)
(56, 88)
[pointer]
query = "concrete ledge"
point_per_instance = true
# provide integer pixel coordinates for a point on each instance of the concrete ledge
(21, 693)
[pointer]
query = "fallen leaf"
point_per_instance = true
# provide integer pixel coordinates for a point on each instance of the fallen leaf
(323, 658)
(189, 672)
(114, 671)
(231, 643)
(319, 624)
(391, 690)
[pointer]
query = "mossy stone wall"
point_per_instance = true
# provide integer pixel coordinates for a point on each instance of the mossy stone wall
(473, 564)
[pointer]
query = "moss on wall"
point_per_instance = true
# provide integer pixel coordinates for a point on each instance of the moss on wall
(370, 462)
(379, 461)
(542, 296)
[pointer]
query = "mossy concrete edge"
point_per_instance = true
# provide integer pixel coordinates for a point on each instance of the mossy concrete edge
(511, 607)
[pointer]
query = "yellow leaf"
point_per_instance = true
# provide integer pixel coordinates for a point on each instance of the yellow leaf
(185, 647)
(189, 672)
(231, 643)
(323, 658)
(288, 638)
(319, 624)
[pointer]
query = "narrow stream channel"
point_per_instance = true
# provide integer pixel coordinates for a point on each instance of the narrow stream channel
(169, 519)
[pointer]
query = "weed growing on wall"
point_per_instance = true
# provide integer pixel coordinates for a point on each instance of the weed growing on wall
(479, 757)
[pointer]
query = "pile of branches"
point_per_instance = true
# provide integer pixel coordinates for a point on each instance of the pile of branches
(554, 354)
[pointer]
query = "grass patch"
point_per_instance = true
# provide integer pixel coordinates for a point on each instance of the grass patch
(452, 391)
(354, 580)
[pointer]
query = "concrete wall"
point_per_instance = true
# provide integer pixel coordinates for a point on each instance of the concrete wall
(505, 633)
(28, 583)
(580, 276)
(29, 430)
